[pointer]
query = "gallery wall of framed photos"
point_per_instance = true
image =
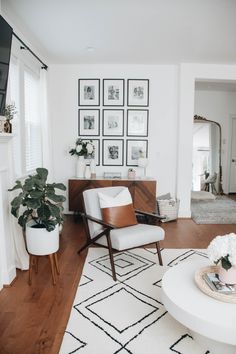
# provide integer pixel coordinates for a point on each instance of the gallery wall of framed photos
(115, 114)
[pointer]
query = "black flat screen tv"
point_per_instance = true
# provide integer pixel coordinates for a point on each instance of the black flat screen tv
(5, 52)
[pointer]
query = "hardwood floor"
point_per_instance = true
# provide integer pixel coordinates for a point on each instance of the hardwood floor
(33, 318)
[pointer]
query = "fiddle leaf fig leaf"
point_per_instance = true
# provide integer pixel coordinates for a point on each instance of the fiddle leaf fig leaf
(36, 194)
(16, 202)
(56, 198)
(44, 212)
(17, 186)
(60, 186)
(33, 203)
(42, 173)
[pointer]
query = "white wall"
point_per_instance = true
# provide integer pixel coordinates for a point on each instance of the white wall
(219, 106)
(163, 117)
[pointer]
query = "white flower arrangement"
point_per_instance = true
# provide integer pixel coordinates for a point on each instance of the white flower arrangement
(223, 249)
(84, 148)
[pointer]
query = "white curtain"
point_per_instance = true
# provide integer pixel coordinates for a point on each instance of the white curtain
(21, 255)
(45, 126)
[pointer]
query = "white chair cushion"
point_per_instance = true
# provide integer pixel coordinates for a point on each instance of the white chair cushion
(120, 199)
(92, 206)
(133, 236)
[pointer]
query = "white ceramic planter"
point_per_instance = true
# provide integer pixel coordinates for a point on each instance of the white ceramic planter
(41, 242)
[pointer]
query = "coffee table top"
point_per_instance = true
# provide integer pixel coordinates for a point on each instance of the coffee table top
(191, 307)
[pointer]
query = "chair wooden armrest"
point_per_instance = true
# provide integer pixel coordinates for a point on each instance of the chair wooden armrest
(98, 221)
(156, 216)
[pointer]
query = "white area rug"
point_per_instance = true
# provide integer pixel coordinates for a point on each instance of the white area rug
(126, 316)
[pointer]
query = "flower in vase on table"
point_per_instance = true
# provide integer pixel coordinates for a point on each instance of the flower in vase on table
(83, 148)
(222, 249)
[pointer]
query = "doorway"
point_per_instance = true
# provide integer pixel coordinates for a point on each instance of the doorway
(232, 174)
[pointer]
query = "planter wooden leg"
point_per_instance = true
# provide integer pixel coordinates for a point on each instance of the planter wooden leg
(56, 263)
(31, 258)
(36, 264)
(51, 258)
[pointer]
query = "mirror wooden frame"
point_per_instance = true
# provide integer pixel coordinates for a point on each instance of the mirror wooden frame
(200, 119)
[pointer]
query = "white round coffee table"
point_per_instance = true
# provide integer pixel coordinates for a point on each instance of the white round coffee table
(211, 322)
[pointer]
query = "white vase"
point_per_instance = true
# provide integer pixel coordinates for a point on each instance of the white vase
(80, 167)
(41, 242)
(87, 173)
(227, 276)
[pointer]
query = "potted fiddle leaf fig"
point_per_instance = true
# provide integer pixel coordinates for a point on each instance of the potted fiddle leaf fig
(39, 211)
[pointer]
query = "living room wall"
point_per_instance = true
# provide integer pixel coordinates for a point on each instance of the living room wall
(163, 117)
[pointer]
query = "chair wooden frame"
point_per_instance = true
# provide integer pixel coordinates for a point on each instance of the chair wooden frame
(106, 232)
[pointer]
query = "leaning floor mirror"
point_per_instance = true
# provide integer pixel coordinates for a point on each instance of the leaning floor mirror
(206, 163)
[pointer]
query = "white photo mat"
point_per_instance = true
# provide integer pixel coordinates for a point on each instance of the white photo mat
(113, 122)
(137, 122)
(89, 122)
(138, 92)
(113, 92)
(113, 152)
(134, 150)
(89, 92)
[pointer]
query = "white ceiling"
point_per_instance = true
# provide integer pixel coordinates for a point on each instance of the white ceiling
(128, 31)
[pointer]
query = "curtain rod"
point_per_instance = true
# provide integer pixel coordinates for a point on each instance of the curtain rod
(26, 47)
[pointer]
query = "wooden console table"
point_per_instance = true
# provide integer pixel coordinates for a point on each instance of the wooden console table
(143, 192)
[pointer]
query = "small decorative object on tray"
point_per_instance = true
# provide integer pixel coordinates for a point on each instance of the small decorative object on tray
(112, 175)
(213, 281)
(131, 173)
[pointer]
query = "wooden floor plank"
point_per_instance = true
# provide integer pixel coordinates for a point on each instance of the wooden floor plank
(33, 318)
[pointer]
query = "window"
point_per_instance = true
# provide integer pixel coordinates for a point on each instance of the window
(24, 90)
(33, 147)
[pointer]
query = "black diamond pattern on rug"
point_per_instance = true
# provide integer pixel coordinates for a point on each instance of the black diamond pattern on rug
(193, 254)
(74, 343)
(85, 280)
(128, 264)
(132, 312)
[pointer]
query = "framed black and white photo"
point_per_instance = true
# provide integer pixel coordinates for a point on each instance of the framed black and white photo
(135, 149)
(89, 122)
(113, 92)
(138, 92)
(113, 152)
(137, 122)
(113, 122)
(89, 92)
(96, 153)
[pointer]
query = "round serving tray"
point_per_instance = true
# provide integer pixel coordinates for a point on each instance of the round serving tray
(206, 289)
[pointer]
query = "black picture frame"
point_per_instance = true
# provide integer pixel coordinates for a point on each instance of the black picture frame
(138, 92)
(96, 156)
(113, 92)
(88, 122)
(133, 152)
(137, 122)
(89, 92)
(113, 152)
(113, 122)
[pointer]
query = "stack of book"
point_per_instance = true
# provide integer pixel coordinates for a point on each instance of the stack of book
(215, 284)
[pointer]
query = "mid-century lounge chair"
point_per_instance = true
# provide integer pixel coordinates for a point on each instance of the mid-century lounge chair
(110, 221)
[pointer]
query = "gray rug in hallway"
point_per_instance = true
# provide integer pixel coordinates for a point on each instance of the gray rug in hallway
(222, 210)
(127, 316)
